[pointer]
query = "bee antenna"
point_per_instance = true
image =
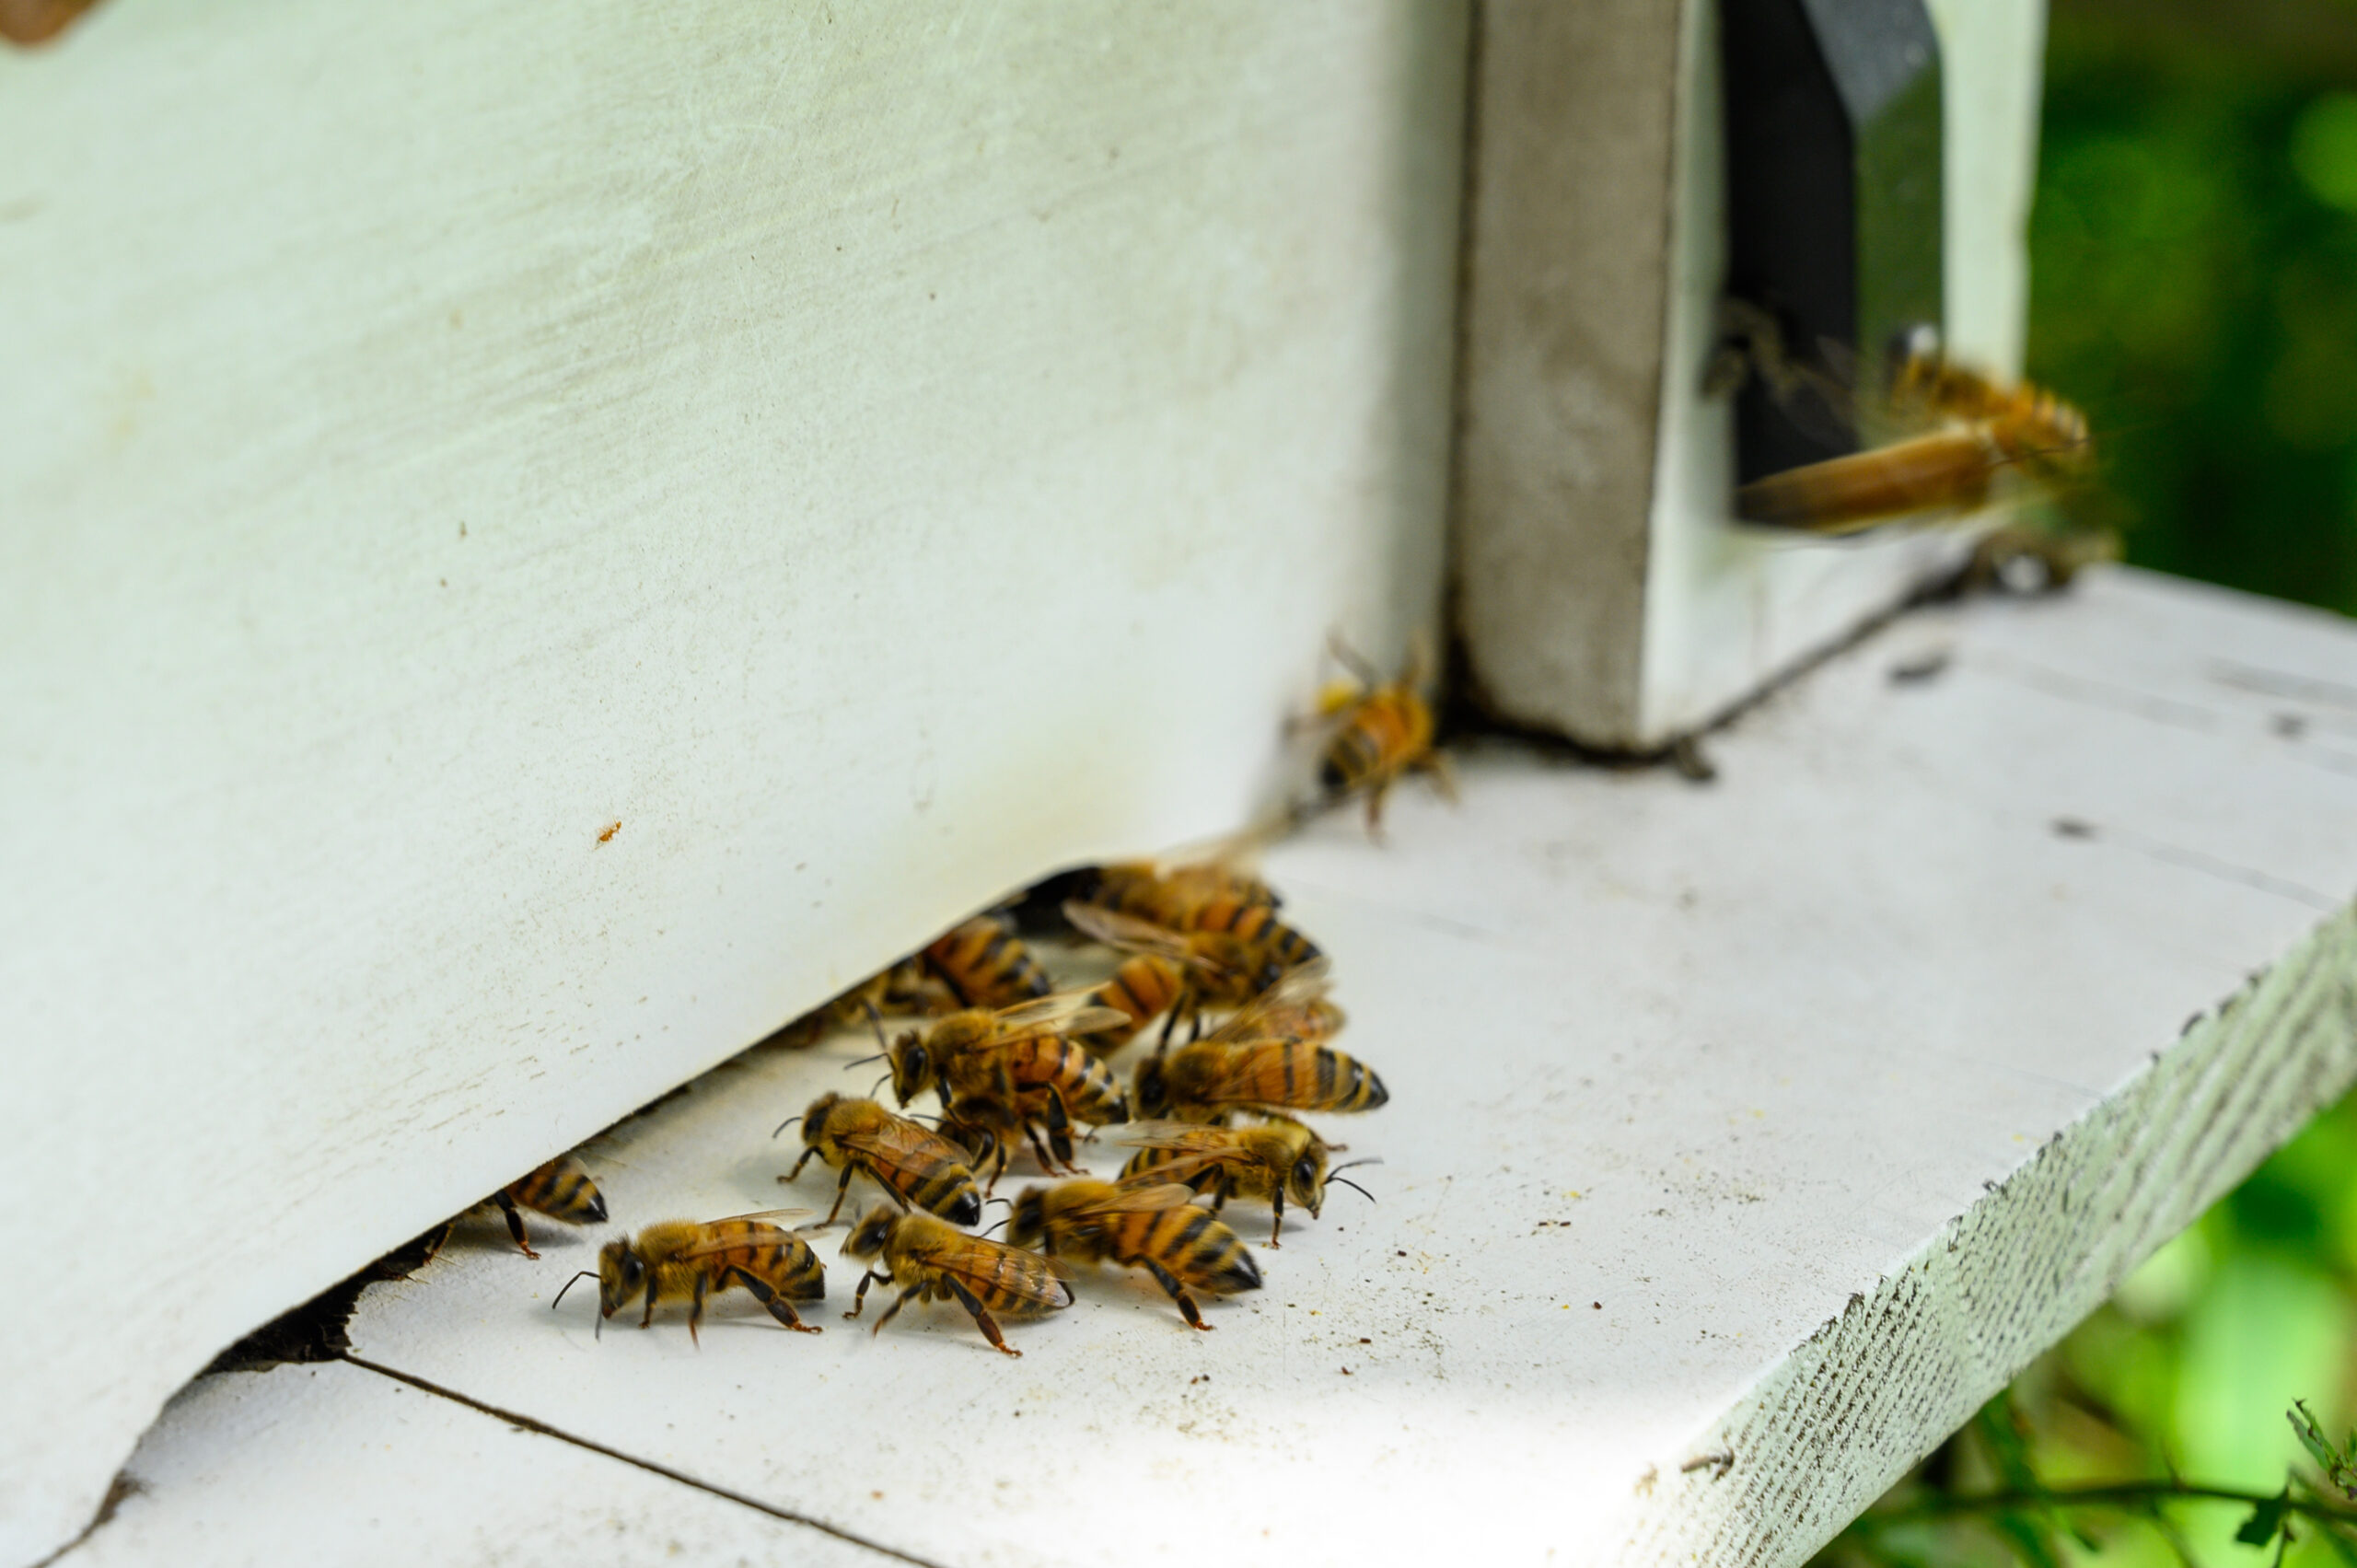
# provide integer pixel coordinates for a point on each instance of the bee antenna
(987, 1203)
(864, 1060)
(986, 1232)
(584, 1275)
(1353, 1186)
(1354, 1165)
(784, 1124)
(878, 1085)
(875, 1022)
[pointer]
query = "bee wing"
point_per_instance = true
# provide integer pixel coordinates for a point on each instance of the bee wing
(1129, 933)
(1303, 983)
(1148, 1190)
(987, 1266)
(1067, 1011)
(1186, 1136)
(761, 1214)
(897, 1138)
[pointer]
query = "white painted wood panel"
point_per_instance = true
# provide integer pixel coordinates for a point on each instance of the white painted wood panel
(1606, 591)
(870, 456)
(1783, 1117)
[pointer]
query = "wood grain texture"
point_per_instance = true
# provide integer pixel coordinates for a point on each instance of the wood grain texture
(1675, 1072)
(870, 456)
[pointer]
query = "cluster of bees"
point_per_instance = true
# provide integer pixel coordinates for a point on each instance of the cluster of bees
(1210, 1112)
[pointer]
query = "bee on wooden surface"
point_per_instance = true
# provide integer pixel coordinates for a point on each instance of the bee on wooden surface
(909, 986)
(563, 1189)
(1143, 1224)
(1209, 967)
(1939, 439)
(1270, 1162)
(986, 965)
(1383, 731)
(931, 1261)
(915, 1165)
(692, 1259)
(1248, 1064)
(1014, 1069)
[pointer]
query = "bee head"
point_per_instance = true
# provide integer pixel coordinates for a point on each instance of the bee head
(1306, 1182)
(1026, 1222)
(620, 1273)
(867, 1238)
(1152, 1098)
(814, 1121)
(912, 1066)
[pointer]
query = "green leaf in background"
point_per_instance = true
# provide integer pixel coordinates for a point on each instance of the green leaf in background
(2266, 1520)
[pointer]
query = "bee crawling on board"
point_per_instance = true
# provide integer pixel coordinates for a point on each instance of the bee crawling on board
(1177, 973)
(984, 964)
(1139, 1223)
(1263, 1059)
(1013, 1072)
(1382, 732)
(692, 1259)
(917, 1166)
(1272, 1161)
(562, 1190)
(932, 1260)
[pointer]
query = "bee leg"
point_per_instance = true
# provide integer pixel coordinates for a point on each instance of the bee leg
(843, 1189)
(1178, 1294)
(800, 1163)
(1278, 1203)
(648, 1319)
(1375, 810)
(780, 1308)
(982, 1320)
(1444, 774)
(897, 1301)
(859, 1296)
(695, 1309)
(514, 1222)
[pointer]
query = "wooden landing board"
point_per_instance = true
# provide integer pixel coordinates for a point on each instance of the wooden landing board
(1778, 1119)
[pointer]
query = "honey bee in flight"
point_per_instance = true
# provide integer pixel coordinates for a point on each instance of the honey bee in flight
(986, 965)
(915, 1165)
(931, 1261)
(562, 1190)
(1013, 1071)
(1270, 1161)
(690, 1260)
(1145, 1224)
(1248, 1065)
(1958, 432)
(1383, 731)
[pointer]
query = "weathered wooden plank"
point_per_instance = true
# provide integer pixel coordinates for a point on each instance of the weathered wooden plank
(1780, 1118)
(815, 441)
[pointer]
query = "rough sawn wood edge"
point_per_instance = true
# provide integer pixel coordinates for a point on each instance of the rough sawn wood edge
(1832, 1426)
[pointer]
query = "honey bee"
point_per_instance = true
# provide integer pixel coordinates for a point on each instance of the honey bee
(904, 987)
(1013, 1069)
(1383, 732)
(1957, 432)
(932, 1261)
(694, 1260)
(1210, 894)
(1270, 1162)
(1214, 968)
(1250, 1065)
(1145, 1224)
(915, 1165)
(1145, 986)
(987, 965)
(562, 1190)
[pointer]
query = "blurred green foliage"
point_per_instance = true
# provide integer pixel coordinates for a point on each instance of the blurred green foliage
(2194, 288)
